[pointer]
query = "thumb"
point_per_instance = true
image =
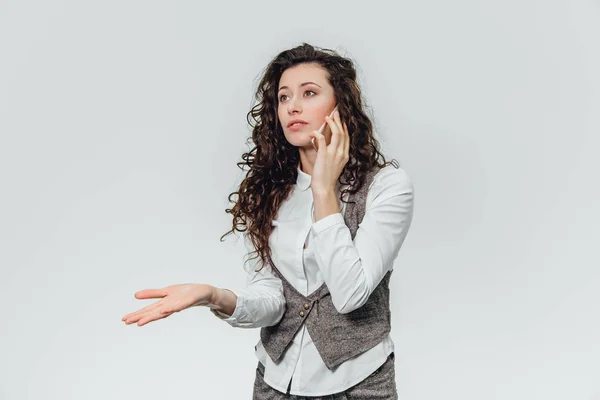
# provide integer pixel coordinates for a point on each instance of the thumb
(151, 293)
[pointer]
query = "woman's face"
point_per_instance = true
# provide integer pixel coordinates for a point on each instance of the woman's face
(304, 94)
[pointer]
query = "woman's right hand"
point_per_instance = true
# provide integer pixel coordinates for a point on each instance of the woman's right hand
(173, 299)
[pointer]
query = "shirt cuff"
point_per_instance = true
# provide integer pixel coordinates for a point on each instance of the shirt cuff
(219, 314)
(327, 222)
(239, 305)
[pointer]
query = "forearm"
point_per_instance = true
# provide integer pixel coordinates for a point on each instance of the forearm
(253, 307)
(223, 300)
(353, 266)
(341, 266)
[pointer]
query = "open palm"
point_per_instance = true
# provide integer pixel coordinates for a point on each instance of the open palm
(173, 298)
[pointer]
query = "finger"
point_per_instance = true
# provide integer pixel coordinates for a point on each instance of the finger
(319, 138)
(131, 315)
(142, 311)
(343, 137)
(338, 121)
(335, 134)
(340, 143)
(347, 135)
(150, 318)
(136, 317)
(132, 319)
(143, 315)
(171, 310)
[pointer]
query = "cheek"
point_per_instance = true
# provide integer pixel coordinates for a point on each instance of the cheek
(320, 110)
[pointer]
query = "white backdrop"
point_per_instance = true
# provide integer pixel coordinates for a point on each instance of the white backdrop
(121, 123)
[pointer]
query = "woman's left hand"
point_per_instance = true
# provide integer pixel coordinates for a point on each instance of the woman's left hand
(331, 158)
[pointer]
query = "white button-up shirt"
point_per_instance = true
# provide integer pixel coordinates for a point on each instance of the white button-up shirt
(309, 253)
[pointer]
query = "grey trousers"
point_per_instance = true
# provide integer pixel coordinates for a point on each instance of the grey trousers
(380, 385)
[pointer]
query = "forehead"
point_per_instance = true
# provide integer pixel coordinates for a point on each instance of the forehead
(298, 74)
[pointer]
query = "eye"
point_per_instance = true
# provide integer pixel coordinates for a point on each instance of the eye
(306, 91)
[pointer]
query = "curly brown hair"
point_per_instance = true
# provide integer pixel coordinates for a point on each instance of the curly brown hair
(272, 162)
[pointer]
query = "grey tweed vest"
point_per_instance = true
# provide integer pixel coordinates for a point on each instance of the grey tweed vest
(337, 337)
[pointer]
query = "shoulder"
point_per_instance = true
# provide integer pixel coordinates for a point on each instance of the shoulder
(390, 198)
(390, 181)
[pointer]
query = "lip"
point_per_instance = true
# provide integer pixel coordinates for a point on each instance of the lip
(297, 127)
(296, 120)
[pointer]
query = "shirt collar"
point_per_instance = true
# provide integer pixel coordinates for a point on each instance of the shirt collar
(303, 180)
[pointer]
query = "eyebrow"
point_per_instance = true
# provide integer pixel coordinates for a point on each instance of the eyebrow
(304, 84)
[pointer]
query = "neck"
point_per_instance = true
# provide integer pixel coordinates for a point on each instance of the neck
(308, 156)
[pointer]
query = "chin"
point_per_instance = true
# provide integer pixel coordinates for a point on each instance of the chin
(299, 140)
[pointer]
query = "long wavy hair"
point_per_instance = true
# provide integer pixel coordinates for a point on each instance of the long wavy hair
(272, 162)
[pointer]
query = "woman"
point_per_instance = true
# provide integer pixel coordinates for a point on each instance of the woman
(319, 286)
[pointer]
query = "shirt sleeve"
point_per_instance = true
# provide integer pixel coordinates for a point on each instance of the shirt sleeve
(352, 269)
(261, 303)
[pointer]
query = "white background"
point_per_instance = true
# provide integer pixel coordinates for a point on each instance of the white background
(121, 123)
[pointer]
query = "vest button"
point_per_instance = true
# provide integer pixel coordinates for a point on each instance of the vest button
(306, 306)
(302, 313)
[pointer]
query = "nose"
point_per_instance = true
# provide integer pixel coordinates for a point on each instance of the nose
(293, 107)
